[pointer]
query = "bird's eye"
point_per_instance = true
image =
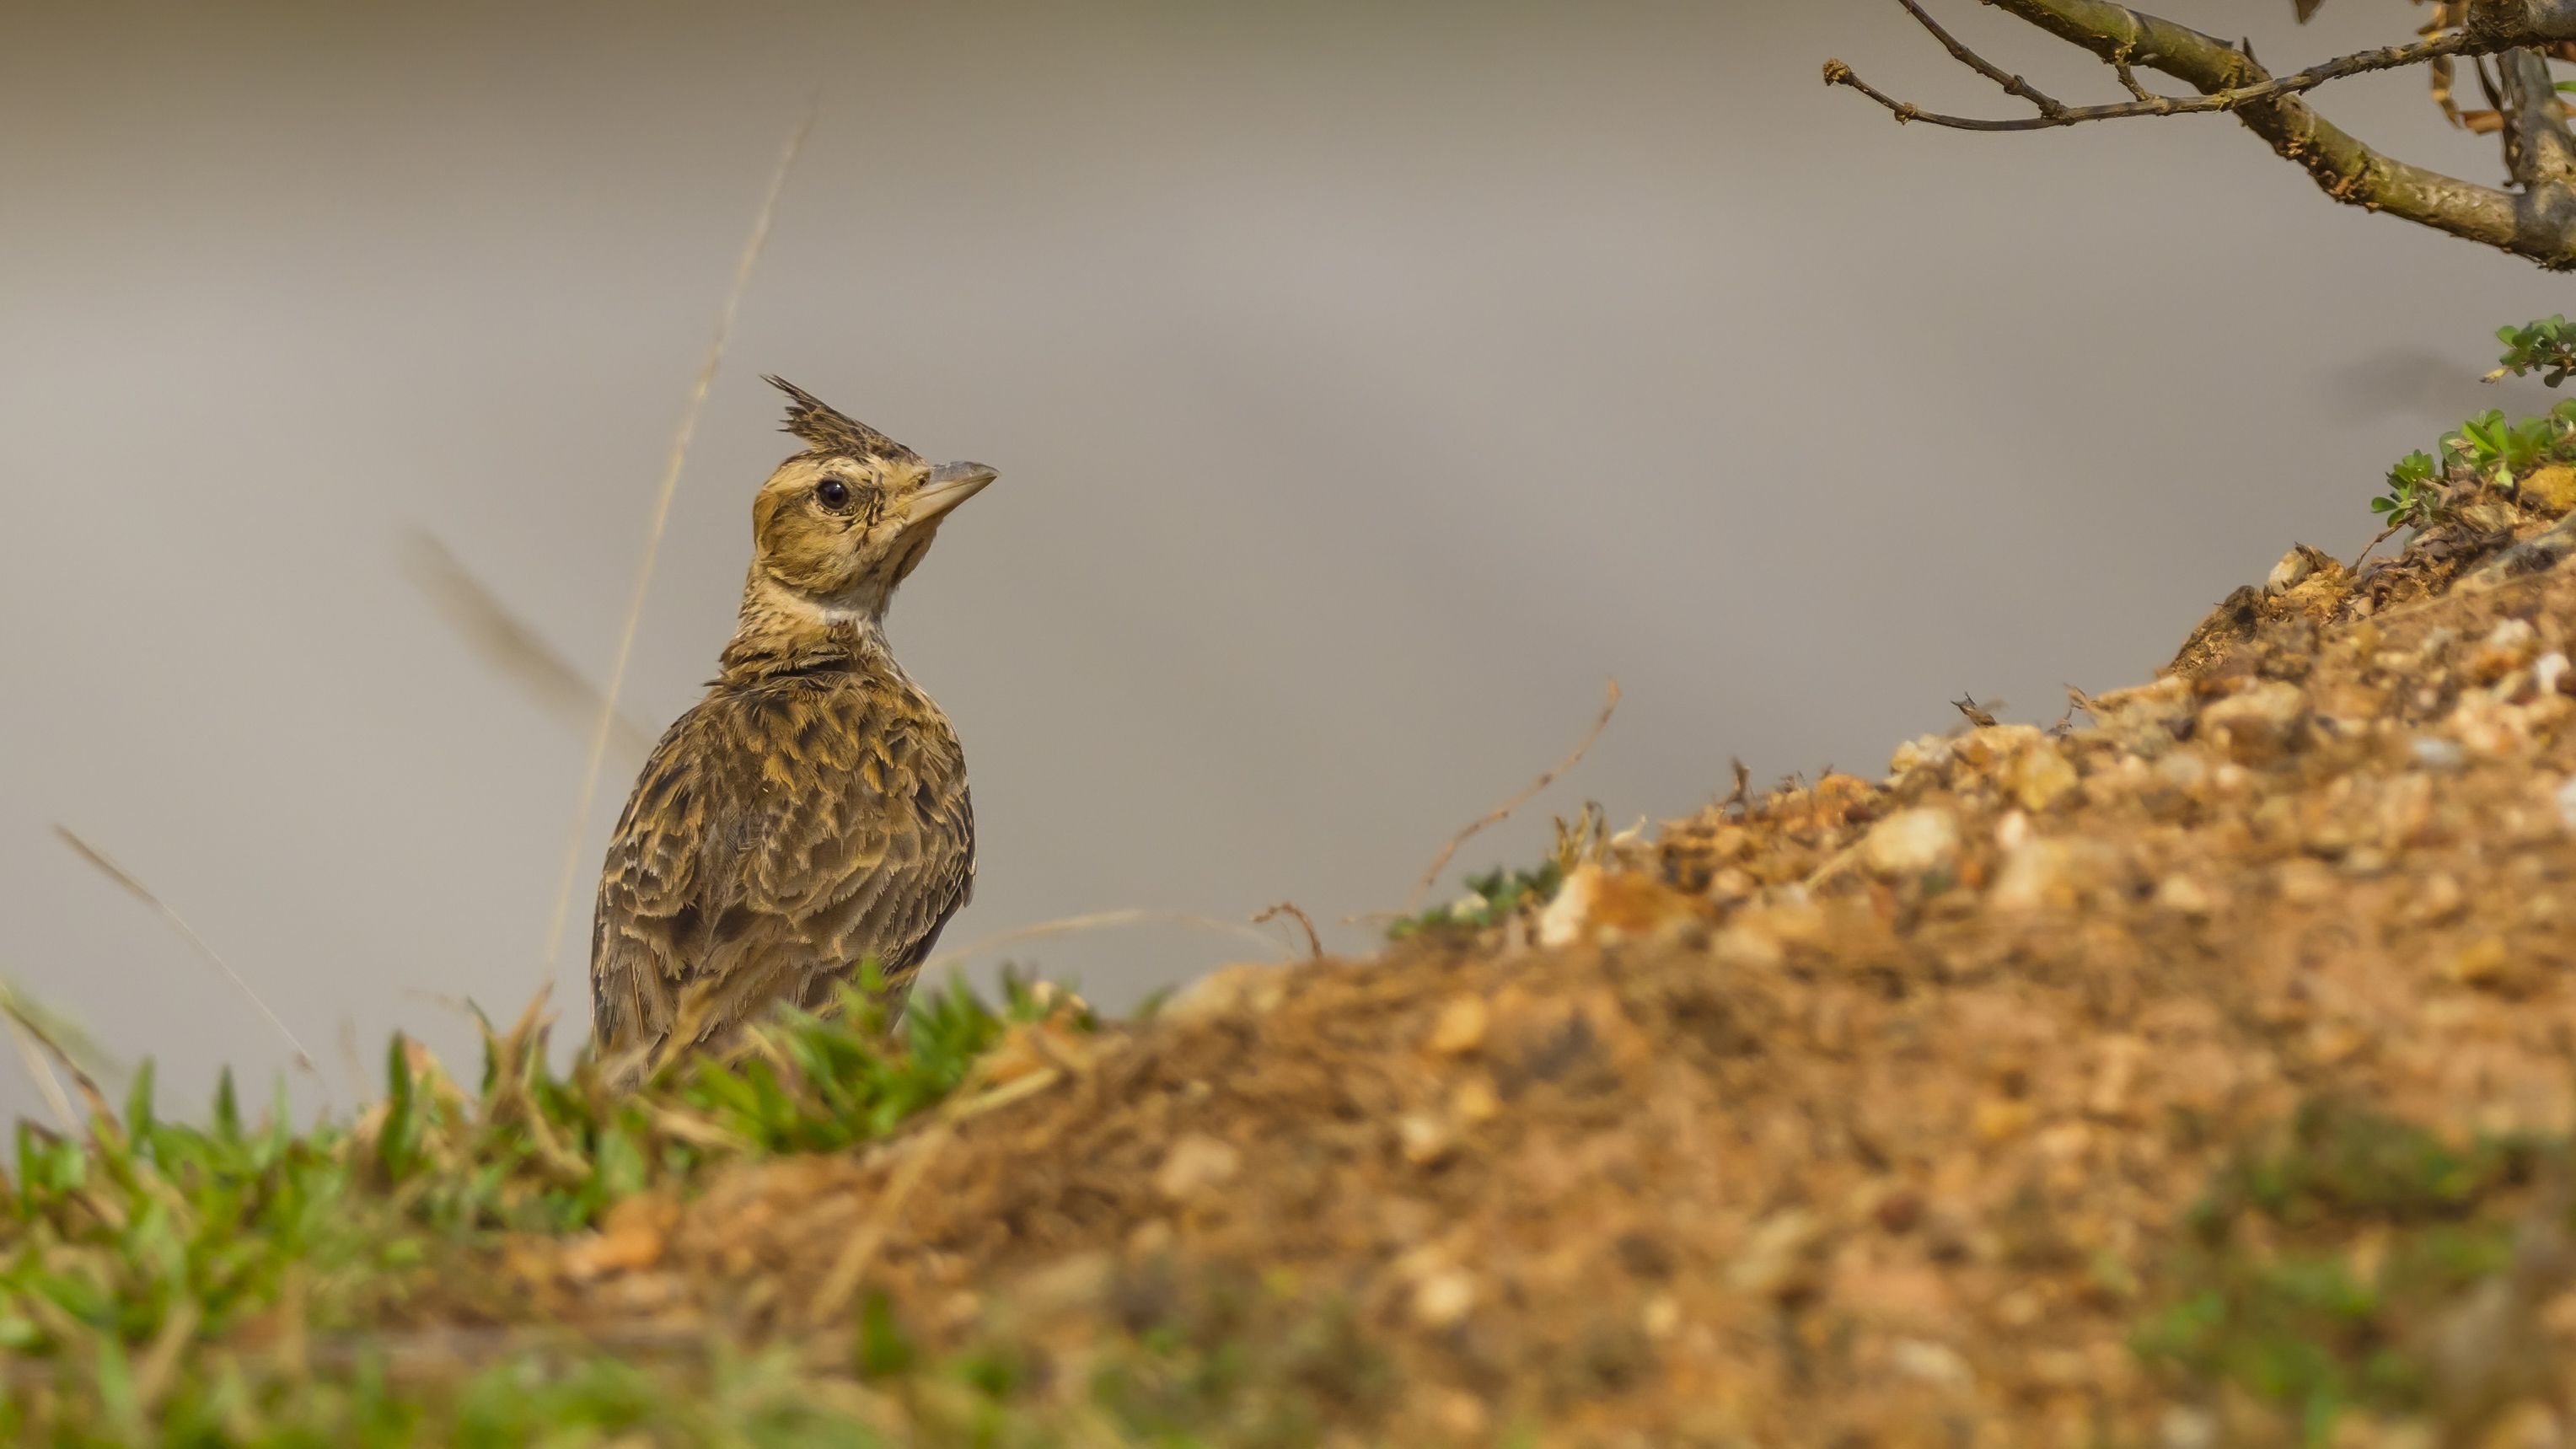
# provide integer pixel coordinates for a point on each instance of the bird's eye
(833, 492)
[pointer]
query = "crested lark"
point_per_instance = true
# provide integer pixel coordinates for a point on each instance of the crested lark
(811, 812)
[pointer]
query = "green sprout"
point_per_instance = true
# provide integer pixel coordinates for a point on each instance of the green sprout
(1492, 899)
(2547, 346)
(2414, 496)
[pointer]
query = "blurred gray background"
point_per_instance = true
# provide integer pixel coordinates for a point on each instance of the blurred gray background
(1367, 382)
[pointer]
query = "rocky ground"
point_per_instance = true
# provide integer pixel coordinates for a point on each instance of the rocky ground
(2195, 1071)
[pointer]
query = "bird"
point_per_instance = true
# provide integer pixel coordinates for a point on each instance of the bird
(810, 814)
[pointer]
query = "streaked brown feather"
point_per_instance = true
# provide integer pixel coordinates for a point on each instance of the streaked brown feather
(758, 862)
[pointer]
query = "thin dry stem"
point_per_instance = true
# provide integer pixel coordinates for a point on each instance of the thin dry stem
(852, 1266)
(850, 1269)
(659, 521)
(1502, 812)
(511, 646)
(27, 1029)
(1314, 943)
(1099, 921)
(40, 1070)
(126, 880)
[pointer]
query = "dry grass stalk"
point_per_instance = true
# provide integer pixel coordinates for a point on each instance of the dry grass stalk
(125, 879)
(1101, 921)
(1502, 812)
(660, 520)
(510, 646)
(29, 1031)
(850, 1269)
(41, 1072)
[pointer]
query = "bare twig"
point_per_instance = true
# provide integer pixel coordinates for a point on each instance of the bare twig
(1314, 943)
(2011, 85)
(2373, 547)
(2538, 225)
(1503, 811)
(2053, 114)
(661, 517)
(125, 880)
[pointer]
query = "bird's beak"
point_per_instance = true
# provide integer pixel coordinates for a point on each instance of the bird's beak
(949, 484)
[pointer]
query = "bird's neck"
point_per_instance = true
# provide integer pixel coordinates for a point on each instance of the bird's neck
(784, 632)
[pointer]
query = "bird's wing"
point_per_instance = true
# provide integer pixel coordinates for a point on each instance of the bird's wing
(649, 890)
(836, 828)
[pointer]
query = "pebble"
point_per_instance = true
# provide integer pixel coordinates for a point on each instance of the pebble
(2439, 754)
(1912, 843)
(2255, 725)
(1460, 1027)
(2486, 963)
(2041, 777)
(1196, 1164)
(1475, 1100)
(2509, 646)
(1443, 1299)
(1229, 991)
(2290, 572)
(1662, 1317)
(2184, 896)
(1737, 948)
(2551, 489)
(1463, 1415)
(2305, 882)
(1425, 1139)
(1775, 1259)
(1932, 1363)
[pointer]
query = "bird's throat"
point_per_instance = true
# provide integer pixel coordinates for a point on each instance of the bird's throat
(784, 631)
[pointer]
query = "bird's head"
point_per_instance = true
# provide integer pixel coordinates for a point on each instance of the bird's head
(839, 525)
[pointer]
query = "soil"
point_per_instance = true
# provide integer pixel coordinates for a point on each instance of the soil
(1883, 1111)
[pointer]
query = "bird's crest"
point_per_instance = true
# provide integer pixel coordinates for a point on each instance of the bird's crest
(828, 431)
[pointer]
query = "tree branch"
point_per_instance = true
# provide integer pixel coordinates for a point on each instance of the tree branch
(2544, 152)
(2052, 114)
(2538, 223)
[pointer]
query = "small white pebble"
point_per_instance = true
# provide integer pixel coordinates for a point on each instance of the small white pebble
(1912, 843)
(1443, 1298)
(2514, 634)
(1932, 1363)
(2012, 830)
(2439, 754)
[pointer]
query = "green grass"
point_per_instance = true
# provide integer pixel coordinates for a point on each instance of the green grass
(2316, 1265)
(136, 1265)
(231, 1282)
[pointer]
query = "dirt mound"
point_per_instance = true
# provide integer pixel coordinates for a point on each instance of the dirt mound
(2006, 1098)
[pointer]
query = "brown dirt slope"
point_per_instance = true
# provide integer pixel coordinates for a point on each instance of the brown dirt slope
(2192, 1075)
